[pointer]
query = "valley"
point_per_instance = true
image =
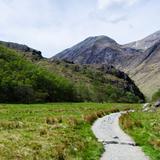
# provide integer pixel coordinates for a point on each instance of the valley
(41, 112)
(79, 80)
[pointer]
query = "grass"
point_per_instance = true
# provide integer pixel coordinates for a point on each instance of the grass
(60, 131)
(144, 127)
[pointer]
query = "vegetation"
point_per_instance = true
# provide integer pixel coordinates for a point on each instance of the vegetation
(144, 127)
(24, 82)
(38, 80)
(156, 96)
(52, 131)
(95, 84)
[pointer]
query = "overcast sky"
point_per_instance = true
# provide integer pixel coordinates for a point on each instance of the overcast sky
(54, 25)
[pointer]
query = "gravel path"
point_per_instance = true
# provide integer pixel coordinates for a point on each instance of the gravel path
(118, 145)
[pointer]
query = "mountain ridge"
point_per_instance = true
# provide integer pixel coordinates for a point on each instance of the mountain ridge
(146, 42)
(28, 51)
(26, 79)
(129, 57)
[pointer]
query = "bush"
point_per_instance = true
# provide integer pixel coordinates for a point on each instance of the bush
(24, 82)
(156, 96)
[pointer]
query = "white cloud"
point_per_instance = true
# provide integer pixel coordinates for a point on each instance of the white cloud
(54, 25)
(109, 3)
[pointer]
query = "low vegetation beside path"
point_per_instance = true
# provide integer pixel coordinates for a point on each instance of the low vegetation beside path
(144, 127)
(52, 131)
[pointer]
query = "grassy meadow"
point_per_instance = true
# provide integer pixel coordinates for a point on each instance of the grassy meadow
(52, 131)
(144, 127)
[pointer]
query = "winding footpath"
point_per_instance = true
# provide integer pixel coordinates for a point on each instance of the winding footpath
(117, 144)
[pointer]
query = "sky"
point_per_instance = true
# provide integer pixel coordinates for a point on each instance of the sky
(54, 25)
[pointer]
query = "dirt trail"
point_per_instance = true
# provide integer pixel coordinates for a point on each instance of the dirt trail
(118, 145)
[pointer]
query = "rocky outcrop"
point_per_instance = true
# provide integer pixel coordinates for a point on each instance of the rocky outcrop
(129, 86)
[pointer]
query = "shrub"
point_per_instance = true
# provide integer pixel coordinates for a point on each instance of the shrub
(156, 96)
(24, 82)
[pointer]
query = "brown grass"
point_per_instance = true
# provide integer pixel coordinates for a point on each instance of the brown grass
(155, 143)
(127, 122)
(11, 124)
(43, 132)
(92, 117)
(54, 120)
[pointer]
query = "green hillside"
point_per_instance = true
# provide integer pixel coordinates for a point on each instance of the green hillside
(26, 79)
(24, 82)
(100, 83)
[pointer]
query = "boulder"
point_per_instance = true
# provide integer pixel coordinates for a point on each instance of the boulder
(157, 104)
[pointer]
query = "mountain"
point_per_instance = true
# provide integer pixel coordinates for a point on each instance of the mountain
(145, 43)
(139, 59)
(101, 50)
(23, 49)
(26, 79)
(147, 74)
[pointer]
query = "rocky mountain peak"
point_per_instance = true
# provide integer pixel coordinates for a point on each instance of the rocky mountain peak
(102, 39)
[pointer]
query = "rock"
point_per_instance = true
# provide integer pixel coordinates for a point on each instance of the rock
(145, 105)
(145, 43)
(157, 104)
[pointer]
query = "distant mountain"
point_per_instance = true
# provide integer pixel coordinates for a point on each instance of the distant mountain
(145, 43)
(23, 48)
(147, 74)
(139, 59)
(26, 79)
(101, 50)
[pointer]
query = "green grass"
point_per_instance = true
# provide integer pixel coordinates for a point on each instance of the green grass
(52, 131)
(144, 127)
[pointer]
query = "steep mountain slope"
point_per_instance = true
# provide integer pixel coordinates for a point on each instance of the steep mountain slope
(96, 82)
(138, 59)
(26, 79)
(145, 43)
(101, 50)
(147, 74)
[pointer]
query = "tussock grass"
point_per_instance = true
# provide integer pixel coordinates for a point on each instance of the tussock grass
(54, 120)
(60, 131)
(127, 122)
(11, 124)
(92, 117)
(144, 127)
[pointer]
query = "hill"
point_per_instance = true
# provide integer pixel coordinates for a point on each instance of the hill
(26, 79)
(140, 60)
(24, 82)
(29, 52)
